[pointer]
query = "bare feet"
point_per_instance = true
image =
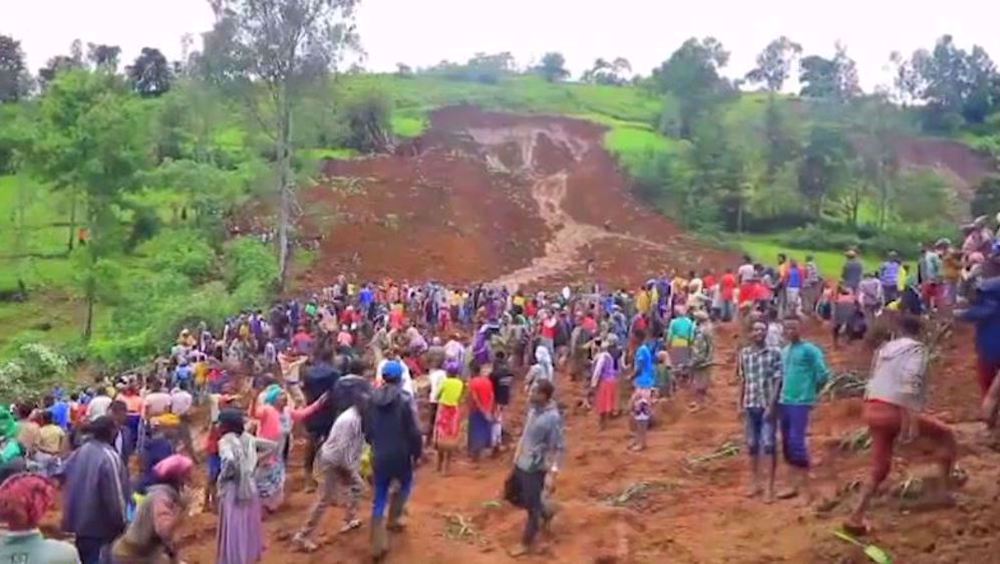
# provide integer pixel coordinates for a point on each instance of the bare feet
(754, 491)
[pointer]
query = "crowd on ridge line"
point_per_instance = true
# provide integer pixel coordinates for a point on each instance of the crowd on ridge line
(374, 374)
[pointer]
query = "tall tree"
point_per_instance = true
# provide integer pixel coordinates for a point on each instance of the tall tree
(774, 63)
(553, 67)
(104, 57)
(281, 45)
(91, 137)
(611, 73)
(15, 82)
(823, 164)
(833, 79)
(61, 63)
(150, 74)
(691, 74)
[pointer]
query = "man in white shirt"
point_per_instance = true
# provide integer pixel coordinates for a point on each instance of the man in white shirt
(746, 271)
(98, 406)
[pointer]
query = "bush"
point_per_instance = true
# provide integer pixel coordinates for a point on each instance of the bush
(184, 252)
(250, 261)
(33, 370)
(986, 200)
(369, 121)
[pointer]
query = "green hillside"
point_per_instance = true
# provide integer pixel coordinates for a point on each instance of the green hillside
(157, 178)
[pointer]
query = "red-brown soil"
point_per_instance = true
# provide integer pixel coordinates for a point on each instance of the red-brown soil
(691, 513)
(525, 200)
(492, 197)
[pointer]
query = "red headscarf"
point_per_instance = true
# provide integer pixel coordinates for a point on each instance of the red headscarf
(24, 499)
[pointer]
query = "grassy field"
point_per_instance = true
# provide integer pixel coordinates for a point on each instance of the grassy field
(762, 249)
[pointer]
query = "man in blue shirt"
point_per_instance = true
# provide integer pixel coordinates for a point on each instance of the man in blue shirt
(804, 372)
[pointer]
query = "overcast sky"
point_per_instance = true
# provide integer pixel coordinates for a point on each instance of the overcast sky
(423, 32)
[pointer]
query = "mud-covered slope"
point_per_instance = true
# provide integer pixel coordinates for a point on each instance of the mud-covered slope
(516, 200)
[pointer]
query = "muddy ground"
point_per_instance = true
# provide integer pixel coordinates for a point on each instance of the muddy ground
(524, 201)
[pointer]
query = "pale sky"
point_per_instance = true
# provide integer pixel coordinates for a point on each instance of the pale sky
(422, 32)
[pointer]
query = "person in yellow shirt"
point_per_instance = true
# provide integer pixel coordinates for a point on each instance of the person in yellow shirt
(643, 301)
(448, 420)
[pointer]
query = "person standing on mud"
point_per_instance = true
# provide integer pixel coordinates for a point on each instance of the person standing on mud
(894, 399)
(536, 464)
(804, 372)
(759, 369)
(390, 427)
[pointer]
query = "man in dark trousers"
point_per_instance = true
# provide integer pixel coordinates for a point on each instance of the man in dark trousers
(319, 379)
(392, 430)
(95, 488)
(536, 462)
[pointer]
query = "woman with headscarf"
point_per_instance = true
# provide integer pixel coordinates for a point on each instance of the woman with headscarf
(604, 381)
(149, 539)
(275, 423)
(702, 357)
(542, 369)
(240, 532)
(24, 500)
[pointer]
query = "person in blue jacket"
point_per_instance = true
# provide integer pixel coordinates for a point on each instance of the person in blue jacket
(985, 314)
(391, 428)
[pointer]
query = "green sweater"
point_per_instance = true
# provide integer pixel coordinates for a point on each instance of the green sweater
(31, 547)
(804, 372)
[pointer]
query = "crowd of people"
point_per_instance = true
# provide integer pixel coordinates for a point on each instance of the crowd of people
(374, 375)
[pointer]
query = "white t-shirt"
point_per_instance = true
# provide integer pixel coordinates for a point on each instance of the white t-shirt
(180, 402)
(436, 378)
(157, 403)
(98, 407)
(745, 273)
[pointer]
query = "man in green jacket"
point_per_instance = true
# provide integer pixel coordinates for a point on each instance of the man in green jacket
(804, 372)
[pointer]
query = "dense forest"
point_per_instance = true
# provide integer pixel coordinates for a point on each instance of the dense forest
(123, 182)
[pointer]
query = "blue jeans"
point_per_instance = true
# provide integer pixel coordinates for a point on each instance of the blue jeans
(760, 432)
(794, 427)
(382, 484)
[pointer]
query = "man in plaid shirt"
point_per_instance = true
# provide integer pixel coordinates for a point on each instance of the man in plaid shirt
(759, 369)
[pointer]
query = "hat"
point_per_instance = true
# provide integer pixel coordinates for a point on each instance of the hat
(392, 371)
(942, 242)
(851, 253)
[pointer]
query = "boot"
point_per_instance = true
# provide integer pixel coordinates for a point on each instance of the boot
(397, 521)
(380, 539)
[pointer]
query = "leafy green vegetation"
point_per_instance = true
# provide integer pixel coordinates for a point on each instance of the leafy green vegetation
(120, 187)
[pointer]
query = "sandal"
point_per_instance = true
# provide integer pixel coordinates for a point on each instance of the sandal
(350, 526)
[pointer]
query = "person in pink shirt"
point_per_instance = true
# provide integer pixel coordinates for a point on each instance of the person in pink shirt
(274, 423)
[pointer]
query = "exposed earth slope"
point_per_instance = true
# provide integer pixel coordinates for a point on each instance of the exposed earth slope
(516, 200)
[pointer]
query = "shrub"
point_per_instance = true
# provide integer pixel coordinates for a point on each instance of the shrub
(249, 260)
(986, 200)
(183, 251)
(33, 370)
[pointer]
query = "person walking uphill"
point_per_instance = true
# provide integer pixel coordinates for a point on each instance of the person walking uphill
(536, 464)
(804, 372)
(95, 489)
(391, 429)
(894, 399)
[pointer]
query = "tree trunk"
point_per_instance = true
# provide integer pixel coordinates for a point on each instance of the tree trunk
(72, 220)
(284, 189)
(739, 216)
(88, 328)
